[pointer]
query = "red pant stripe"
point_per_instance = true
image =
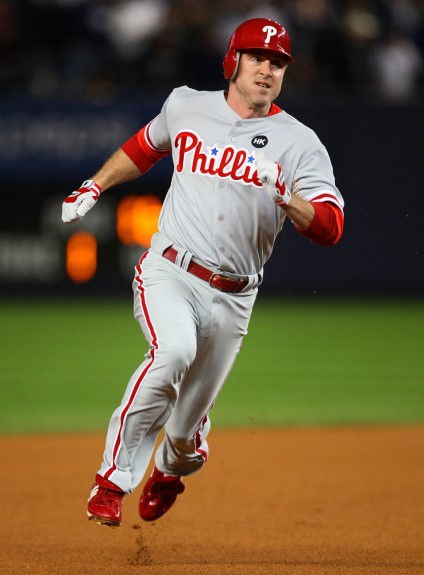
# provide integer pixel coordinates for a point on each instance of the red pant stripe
(198, 439)
(142, 375)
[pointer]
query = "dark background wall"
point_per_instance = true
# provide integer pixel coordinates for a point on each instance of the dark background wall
(70, 95)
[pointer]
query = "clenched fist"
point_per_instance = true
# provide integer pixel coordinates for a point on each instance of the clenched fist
(80, 202)
(271, 176)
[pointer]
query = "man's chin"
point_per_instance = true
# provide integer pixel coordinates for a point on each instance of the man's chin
(262, 100)
(264, 96)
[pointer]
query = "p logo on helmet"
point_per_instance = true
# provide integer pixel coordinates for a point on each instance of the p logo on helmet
(259, 34)
(270, 31)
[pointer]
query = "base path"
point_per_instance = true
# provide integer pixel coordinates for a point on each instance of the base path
(295, 501)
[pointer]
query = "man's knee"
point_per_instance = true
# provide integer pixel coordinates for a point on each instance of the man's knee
(177, 356)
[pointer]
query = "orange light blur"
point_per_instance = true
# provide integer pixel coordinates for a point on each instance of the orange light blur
(137, 219)
(81, 257)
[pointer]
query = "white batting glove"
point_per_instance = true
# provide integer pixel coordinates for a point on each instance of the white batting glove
(79, 202)
(271, 176)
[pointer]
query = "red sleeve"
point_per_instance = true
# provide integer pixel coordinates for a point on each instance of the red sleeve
(327, 226)
(141, 151)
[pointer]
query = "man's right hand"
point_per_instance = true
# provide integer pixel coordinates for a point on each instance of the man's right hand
(80, 202)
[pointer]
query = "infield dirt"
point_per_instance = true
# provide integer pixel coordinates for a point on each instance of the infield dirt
(298, 501)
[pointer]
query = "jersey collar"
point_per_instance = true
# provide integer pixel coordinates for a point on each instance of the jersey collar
(274, 109)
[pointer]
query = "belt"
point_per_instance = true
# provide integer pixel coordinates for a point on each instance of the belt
(218, 281)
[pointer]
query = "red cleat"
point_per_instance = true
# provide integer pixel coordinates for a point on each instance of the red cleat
(159, 494)
(105, 503)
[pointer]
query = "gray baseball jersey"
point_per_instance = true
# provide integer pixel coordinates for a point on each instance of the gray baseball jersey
(217, 211)
(216, 205)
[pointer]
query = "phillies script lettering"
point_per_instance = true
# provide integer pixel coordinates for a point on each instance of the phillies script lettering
(228, 162)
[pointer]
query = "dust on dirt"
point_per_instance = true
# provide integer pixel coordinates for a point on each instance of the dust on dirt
(325, 501)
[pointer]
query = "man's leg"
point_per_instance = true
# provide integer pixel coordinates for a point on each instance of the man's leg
(184, 449)
(164, 309)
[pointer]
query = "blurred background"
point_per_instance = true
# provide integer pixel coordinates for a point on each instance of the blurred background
(336, 336)
(78, 77)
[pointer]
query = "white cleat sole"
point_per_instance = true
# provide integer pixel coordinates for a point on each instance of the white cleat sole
(102, 521)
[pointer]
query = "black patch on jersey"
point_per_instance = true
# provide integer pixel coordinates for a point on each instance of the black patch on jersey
(259, 141)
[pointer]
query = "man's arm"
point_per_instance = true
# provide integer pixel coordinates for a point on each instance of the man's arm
(133, 159)
(301, 212)
(118, 169)
(320, 221)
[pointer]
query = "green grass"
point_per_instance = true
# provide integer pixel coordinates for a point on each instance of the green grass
(64, 365)
(331, 362)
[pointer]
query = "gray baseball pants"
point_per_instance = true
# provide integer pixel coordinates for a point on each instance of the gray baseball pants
(194, 334)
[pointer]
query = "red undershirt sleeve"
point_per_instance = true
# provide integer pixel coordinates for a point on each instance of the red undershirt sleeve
(143, 154)
(327, 226)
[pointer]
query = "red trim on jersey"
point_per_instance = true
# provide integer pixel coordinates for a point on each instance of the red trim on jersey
(140, 379)
(326, 197)
(274, 110)
(327, 226)
(141, 150)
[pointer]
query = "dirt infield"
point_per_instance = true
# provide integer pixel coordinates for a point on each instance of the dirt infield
(287, 501)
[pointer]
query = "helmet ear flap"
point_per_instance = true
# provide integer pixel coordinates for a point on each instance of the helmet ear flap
(234, 74)
(230, 64)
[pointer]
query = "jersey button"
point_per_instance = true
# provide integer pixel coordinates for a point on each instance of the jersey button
(221, 218)
(221, 185)
(222, 249)
(233, 139)
(238, 124)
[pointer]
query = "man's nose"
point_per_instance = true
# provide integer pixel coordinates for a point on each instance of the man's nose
(266, 67)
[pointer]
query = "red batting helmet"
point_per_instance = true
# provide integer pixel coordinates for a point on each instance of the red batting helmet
(257, 33)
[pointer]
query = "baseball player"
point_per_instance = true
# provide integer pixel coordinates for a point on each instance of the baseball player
(241, 166)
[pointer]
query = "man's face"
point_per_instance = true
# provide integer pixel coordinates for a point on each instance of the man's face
(259, 77)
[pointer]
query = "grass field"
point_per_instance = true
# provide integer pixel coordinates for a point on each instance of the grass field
(65, 364)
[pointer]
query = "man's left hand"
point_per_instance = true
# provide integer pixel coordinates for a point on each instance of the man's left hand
(271, 176)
